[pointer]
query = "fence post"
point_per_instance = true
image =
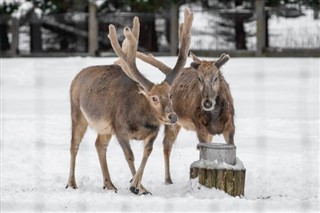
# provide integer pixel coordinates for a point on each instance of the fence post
(93, 30)
(261, 27)
(174, 26)
(15, 37)
(35, 33)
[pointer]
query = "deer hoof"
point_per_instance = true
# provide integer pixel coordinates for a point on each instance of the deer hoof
(168, 181)
(134, 190)
(111, 189)
(146, 193)
(72, 186)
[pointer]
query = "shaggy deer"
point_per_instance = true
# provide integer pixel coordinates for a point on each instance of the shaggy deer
(202, 100)
(118, 100)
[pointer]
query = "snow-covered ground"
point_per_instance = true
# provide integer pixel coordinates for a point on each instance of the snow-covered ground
(277, 138)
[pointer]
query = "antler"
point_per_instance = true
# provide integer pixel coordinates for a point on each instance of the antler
(184, 42)
(222, 60)
(128, 52)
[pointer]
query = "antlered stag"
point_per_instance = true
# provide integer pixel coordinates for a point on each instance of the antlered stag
(202, 100)
(119, 100)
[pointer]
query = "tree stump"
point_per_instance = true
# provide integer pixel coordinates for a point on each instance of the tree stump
(219, 168)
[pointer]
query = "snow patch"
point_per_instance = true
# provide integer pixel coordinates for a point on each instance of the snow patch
(215, 164)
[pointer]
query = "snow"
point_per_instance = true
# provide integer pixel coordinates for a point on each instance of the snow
(277, 139)
(215, 164)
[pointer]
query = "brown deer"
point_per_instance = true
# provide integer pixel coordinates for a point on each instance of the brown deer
(202, 100)
(118, 100)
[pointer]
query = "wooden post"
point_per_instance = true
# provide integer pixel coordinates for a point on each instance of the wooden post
(174, 26)
(35, 33)
(93, 30)
(261, 27)
(219, 168)
(15, 37)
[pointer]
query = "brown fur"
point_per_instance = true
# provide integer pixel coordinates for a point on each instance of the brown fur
(188, 92)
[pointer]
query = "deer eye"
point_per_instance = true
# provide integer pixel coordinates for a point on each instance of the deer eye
(215, 79)
(155, 99)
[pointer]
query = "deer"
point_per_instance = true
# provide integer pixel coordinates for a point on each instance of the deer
(118, 100)
(202, 100)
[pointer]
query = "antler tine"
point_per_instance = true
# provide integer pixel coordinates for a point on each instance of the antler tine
(185, 40)
(128, 53)
(150, 59)
(136, 27)
(117, 49)
(184, 31)
(114, 42)
(180, 33)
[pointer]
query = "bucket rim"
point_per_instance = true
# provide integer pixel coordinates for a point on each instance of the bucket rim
(216, 146)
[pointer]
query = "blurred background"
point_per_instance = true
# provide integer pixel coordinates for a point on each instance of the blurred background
(239, 27)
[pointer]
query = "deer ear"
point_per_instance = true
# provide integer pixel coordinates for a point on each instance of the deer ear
(222, 60)
(195, 65)
(195, 58)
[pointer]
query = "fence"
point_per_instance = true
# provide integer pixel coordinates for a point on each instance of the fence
(256, 32)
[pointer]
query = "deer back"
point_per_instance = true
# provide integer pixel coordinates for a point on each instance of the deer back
(109, 99)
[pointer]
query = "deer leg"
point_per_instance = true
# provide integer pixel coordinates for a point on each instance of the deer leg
(171, 133)
(204, 136)
(79, 127)
(126, 148)
(228, 133)
(136, 186)
(101, 146)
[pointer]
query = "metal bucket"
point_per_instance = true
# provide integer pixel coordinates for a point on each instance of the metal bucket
(217, 151)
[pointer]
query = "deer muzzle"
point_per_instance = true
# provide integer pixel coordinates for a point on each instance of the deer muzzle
(208, 104)
(173, 118)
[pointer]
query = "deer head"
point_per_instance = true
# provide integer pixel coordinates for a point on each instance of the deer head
(156, 94)
(209, 79)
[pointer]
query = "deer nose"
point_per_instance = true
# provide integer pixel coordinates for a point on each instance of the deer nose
(207, 104)
(173, 118)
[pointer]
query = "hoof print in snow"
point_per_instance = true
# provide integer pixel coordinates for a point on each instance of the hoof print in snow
(134, 190)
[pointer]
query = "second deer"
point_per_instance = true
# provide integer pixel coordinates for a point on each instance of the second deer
(202, 100)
